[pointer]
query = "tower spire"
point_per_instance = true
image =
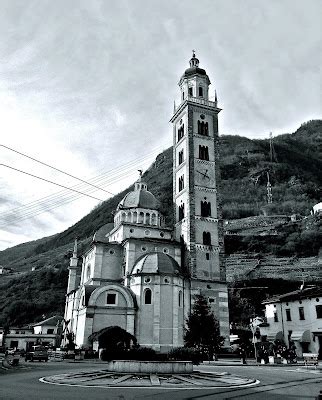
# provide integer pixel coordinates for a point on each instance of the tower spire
(194, 62)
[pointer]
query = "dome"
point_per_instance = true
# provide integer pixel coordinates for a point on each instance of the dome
(194, 70)
(154, 263)
(140, 197)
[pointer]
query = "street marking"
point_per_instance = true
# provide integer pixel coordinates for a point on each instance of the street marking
(256, 382)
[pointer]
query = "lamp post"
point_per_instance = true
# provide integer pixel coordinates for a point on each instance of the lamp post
(254, 326)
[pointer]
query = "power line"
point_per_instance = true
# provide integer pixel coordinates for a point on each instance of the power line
(46, 180)
(50, 202)
(40, 210)
(100, 178)
(56, 169)
(54, 200)
(42, 207)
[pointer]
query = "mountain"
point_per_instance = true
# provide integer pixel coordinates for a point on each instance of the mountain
(292, 163)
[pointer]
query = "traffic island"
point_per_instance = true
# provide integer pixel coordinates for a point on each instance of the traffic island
(140, 374)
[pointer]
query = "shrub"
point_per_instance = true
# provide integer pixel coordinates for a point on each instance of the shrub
(140, 354)
(185, 354)
(143, 354)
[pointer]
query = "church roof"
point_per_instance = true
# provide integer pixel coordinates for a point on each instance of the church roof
(194, 70)
(140, 197)
(100, 234)
(156, 263)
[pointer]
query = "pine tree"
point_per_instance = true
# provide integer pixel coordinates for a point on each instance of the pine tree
(202, 329)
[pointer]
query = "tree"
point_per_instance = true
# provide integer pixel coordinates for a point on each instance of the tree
(202, 329)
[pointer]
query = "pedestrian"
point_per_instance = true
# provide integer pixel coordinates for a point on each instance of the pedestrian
(242, 353)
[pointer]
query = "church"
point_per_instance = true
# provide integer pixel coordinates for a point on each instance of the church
(141, 275)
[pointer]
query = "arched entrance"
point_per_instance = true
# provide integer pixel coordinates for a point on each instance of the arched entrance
(113, 338)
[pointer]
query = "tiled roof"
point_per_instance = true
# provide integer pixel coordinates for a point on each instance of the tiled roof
(309, 292)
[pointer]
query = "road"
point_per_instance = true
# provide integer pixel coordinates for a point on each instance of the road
(280, 382)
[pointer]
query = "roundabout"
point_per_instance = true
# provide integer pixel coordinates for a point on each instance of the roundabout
(108, 379)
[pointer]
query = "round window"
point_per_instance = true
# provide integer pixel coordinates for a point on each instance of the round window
(131, 230)
(112, 251)
(317, 299)
(147, 279)
(165, 250)
(162, 234)
(202, 116)
(143, 248)
(147, 232)
(166, 280)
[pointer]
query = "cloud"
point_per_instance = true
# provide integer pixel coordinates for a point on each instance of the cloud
(88, 86)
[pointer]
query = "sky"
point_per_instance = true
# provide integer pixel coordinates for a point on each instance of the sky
(88, 87)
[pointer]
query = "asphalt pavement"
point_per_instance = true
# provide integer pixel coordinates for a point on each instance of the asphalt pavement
(286, 382)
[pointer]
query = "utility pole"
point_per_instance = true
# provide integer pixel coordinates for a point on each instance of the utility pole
(269, 190)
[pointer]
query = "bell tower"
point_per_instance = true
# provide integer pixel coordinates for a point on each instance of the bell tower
(196, 179)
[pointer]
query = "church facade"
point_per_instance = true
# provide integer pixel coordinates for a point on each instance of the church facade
(141, 275)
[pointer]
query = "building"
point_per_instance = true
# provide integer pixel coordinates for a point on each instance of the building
(46, 332)
(296, 317)
(317, 209)
(5, 270)
(141, 275)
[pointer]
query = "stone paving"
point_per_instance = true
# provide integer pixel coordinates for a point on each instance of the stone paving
(105, 378)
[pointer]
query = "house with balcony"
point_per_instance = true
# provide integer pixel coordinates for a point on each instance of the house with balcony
(296, 317)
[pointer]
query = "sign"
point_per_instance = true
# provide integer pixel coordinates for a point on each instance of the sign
(310, 359)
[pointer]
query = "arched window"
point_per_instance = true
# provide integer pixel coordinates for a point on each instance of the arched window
(88, 272)
(147, 218)
(190, 91)
(141, 218)
(147, 296)
(206, 238)
(182, 95)
(203, 128)
(205, 207)
(180, 157)
(181, 132)
(181, 183)
(204, 153)
(180, 298)
(200, 91)
(181, 212)
(153, 219)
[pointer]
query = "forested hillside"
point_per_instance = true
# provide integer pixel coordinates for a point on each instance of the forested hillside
(294, 167)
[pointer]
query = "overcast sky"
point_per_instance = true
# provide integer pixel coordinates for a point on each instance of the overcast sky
(88, 87)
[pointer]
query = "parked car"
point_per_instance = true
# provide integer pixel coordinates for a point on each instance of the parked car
(37, 353)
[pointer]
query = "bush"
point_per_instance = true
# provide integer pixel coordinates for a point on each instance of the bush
(185, 354)
(143, 354)
(139, 354)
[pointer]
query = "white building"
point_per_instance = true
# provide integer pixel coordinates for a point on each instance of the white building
(140, 275)
(317, 209)
(296, 317)
(46, 332)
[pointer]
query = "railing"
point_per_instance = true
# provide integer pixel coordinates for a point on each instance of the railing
(198, 100)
